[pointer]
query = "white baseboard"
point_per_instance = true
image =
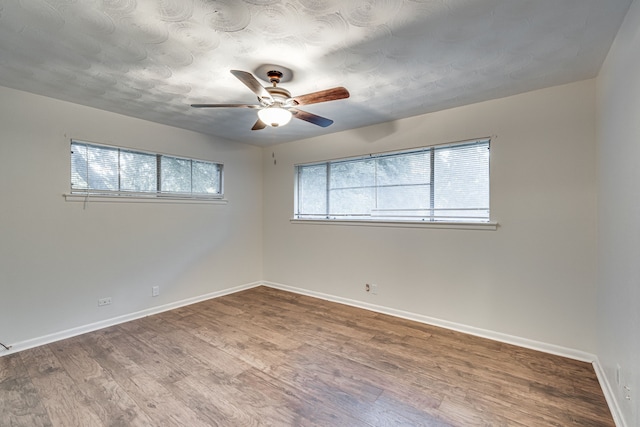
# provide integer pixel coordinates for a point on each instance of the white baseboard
(496, 336)
(57, 336)
(609, 395)
(484, 333)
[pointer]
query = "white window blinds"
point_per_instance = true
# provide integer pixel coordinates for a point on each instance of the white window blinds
(98, 169)
(444, 183)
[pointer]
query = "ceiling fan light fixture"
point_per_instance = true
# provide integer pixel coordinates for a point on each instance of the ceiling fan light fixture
(275, 105)
(275, 116)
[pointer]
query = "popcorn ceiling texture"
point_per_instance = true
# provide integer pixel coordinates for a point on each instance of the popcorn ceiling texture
(152, 58)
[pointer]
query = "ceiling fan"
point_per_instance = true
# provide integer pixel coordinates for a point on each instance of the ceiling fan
(276, 106)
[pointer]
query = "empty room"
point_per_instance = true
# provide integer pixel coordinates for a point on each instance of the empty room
(319, 212)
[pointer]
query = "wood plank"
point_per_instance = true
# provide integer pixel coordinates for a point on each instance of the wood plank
(20, 402)
(149, 394)
(194, 355)
(65, 402)
(247, 324)
(209, 399)
(151, 360)
(304, 407)
(107, 398)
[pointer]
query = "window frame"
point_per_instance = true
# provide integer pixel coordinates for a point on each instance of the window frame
(120, 195)
(418, 222)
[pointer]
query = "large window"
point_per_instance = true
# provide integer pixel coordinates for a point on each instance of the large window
(99, 169)
(442, 183)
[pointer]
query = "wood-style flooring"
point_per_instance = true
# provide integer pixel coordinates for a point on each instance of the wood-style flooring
(268, 357)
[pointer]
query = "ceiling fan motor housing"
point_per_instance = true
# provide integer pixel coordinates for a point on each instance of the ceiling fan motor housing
(280, 98)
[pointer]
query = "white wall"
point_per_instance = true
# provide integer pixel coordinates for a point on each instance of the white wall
(532, 278)
(618, 135)
(57, 258)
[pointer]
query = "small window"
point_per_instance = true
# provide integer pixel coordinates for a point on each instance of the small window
(447, 183)
(99, 169)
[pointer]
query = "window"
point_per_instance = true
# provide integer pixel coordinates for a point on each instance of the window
(99, 169)
(444, 183)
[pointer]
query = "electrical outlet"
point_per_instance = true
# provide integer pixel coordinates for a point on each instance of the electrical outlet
(155, 291)
(104, 301)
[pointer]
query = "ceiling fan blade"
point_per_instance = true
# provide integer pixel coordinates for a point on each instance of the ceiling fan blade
(311, 118)
(252, 83)
(322, 96)
(224, 106)
(259, 125)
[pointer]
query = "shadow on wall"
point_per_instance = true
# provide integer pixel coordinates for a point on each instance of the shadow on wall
(376, 132)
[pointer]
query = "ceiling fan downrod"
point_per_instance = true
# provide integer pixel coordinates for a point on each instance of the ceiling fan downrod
(274, 77)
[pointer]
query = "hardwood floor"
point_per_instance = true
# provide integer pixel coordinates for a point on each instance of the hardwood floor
(268, 357)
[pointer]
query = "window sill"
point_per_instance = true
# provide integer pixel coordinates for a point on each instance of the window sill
(140, 199)
(490, 226)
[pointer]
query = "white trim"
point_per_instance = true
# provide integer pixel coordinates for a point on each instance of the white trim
(409, 150)
(609, 395)
(57, 336)
(139, 150)
(491, 226)
(79, 197)
(471, 330)
(496, 336)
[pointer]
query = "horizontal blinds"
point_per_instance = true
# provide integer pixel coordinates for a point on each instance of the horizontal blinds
(105, 169)
(445, 183)
(461, 182)
(138, 171)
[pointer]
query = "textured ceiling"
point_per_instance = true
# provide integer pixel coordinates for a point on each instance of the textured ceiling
(153, 58)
